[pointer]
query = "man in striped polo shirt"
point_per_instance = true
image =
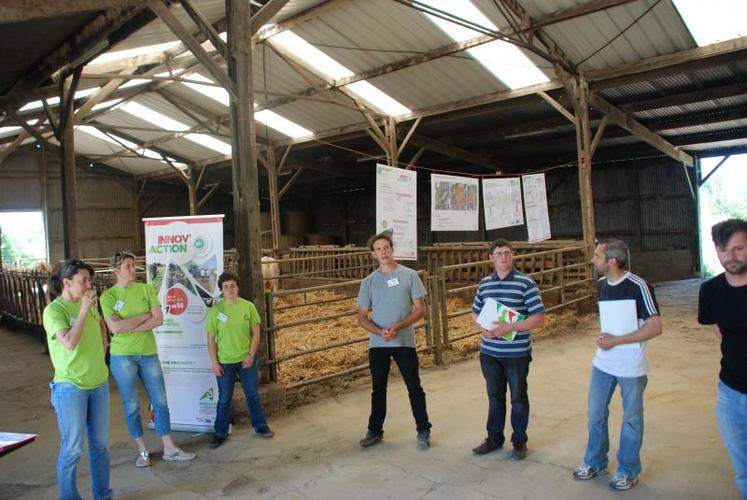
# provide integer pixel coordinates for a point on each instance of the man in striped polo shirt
(506, 362)
(629, 317)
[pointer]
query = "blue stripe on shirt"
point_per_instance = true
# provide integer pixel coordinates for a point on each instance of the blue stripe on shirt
(520, 293)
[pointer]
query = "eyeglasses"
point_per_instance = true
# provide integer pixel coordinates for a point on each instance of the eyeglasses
(499, 253)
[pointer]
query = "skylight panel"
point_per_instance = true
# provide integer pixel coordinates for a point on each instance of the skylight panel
(210, 142)
(377, 98)
(54, 101)
(335, 71)
(118, 55)
(9, 131)
(304, 50)
(504, 60)
(154, 117)
(269, 118)
(119, 141)
(14, 129)
(281, 124)
(106, 104)
(215, 93)
(141, 81)
(163, 121)
(711, 22)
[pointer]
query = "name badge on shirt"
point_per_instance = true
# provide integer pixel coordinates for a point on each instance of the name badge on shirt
(72, 322)
(392, 282)
(119, 305)
(222, 317)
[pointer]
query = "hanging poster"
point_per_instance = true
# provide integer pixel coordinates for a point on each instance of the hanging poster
(396, 209)
(455, 204)
(502, 201)
(535, 205)
(184, 257)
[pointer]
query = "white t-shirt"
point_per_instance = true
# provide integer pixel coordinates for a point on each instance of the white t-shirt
(627, 360)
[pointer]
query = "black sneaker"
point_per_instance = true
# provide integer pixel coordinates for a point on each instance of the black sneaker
(486, 447)
(371, 439)
(424, 439)
(519, 452)
(216, 442)
(265, 432)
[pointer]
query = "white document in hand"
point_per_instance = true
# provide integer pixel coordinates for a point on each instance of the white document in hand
(618, 317)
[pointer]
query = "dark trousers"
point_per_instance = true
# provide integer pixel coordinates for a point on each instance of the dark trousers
(380, 359)
(498, 373)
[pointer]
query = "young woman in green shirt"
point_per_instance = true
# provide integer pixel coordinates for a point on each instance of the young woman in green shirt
(233, 342)
(131, 310)
(80, 391)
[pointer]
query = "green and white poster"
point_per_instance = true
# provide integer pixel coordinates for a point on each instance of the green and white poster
(184, 257)
(396, 209)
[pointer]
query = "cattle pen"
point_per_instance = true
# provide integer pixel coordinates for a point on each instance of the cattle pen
(310, 324)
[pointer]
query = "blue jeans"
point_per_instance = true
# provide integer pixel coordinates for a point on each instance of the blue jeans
(249, 378)
(601, 388)
(380, 361)
(731, 413)
(126, 371)
(500, 373)
(82, 411)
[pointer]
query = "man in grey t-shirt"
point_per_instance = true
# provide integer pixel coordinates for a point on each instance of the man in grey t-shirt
(394, 297)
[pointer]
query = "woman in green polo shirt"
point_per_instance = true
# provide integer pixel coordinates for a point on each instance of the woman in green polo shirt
(131, 310)
(233, 341)
(80, 392)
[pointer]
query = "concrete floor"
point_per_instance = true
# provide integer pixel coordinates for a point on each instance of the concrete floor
(315, 453)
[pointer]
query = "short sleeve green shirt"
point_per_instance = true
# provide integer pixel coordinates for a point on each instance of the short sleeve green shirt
(136, 299)
(83, 366)
(232, 326)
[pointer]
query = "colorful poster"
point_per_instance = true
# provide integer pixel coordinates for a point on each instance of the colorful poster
(535, 205)
(455, 203)
(184, 257)
(502, 200)
(396, 209)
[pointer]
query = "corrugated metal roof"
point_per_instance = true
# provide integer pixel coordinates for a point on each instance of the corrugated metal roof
(364, 35)
(658, 32)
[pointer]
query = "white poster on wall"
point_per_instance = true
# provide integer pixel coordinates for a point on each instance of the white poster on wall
(535, 205)
(184, 257)
(502, 201)
(396, 209)
(455, 204)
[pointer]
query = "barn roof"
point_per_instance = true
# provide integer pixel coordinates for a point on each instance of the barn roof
(164, 111)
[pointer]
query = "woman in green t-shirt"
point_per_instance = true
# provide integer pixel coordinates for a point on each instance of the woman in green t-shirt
(131, 310)
(80, 393)
(233, 341)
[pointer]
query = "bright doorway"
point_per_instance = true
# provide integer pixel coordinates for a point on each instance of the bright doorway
(723, 195)
(24, 239)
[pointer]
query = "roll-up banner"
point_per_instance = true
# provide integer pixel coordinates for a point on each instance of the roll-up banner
(184, 257)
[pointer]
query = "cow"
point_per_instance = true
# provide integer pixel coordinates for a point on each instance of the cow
(270, 273)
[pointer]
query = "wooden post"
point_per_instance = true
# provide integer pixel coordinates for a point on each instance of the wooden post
(43, 185)
(244, 158)
(68, 179)
(191, 191)
(578, 88)
(272, 175)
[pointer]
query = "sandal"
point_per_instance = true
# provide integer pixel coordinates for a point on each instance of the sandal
(143, 459)
(179, 455)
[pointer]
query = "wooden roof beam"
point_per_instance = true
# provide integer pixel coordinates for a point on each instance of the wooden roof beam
(576, 11)
(91, 40)
(625, 121)
(677, 62)
(455, 152)
(193, 44)
(14, 11)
